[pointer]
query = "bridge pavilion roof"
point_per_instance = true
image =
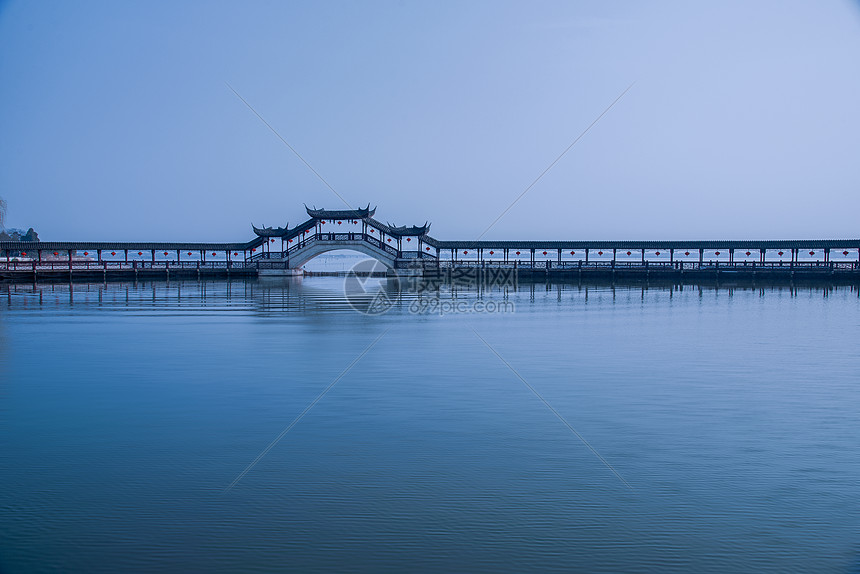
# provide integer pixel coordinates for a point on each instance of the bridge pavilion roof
(285, 232)
(360, 213)
(271, 231)
(410, 231)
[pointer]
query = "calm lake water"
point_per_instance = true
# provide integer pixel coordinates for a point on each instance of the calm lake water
(126, 412)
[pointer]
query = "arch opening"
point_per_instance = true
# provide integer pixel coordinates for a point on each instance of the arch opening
(323, 257)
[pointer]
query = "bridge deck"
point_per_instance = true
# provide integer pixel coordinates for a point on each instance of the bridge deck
(411, 248)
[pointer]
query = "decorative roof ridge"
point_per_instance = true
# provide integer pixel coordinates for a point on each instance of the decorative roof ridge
(271, 232)
(360, 213)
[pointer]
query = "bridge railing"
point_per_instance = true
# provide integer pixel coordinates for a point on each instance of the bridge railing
(301, 243)
(117, 265)
(266, 255)
(414, 258)
(655, 265)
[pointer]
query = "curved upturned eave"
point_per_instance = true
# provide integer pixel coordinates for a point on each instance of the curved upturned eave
(411, 231)
(270, 231)
(394, 231)
(342, 214)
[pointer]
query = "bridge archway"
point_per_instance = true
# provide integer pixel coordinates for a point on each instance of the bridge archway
(314, 250)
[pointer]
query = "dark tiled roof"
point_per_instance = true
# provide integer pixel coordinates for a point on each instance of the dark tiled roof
(341, 214)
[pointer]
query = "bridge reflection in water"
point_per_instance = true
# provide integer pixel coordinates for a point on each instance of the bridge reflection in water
(280, 295)
(410, 250)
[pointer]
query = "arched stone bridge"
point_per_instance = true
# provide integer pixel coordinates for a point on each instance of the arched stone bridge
(353, 229)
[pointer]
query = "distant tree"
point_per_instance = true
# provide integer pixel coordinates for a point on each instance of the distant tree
(31, 235)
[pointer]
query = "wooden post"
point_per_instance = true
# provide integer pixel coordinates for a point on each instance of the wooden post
(586, 256)
(701, 256)
(643, 256)
(672, 256)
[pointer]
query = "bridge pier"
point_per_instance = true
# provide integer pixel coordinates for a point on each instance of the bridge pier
(285, 272)
(413, 272)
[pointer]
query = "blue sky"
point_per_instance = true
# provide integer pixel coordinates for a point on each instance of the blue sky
(117, 122)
